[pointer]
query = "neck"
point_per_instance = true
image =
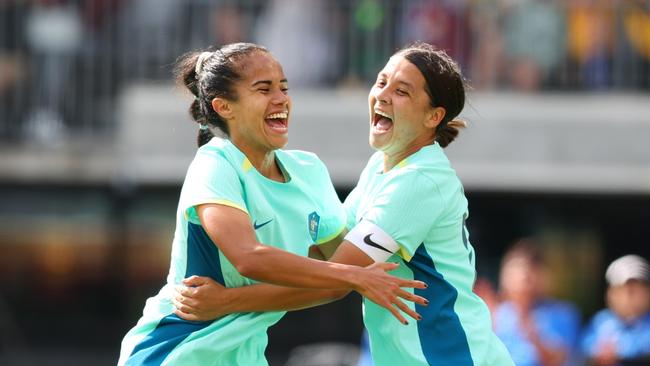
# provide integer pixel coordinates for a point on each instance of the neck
(391, 160)
(267, 166)
(264, 162)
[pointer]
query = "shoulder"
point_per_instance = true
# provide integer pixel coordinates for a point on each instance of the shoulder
(432, 163)
(604, 316)
(215, 156)
(301, 161)
(413, 178)
(216, 147)
(300, 157)
(374, 165)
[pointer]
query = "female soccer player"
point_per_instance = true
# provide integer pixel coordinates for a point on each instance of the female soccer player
(408, 206)
(241, 192)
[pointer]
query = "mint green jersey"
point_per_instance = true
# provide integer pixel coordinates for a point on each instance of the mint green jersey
(421, 205)
(291, 216)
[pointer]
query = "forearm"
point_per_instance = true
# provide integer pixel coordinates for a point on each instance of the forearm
(275, 266)
(265, 297)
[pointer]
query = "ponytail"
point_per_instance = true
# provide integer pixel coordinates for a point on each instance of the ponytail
(447, 132)
(205, 135)
(185, 72)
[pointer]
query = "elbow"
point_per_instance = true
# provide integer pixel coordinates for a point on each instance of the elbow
(249, 263)
(246, 268)
(337, 294)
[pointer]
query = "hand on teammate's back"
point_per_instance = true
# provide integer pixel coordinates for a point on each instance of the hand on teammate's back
(386, 290)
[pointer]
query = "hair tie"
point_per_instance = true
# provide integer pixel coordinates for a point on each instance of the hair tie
(203, 126)
(200, 61)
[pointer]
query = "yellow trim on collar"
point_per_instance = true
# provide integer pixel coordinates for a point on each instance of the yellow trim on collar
(402, 163)
(246, 165)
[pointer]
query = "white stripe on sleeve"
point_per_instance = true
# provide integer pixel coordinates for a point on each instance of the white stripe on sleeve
(372, 240)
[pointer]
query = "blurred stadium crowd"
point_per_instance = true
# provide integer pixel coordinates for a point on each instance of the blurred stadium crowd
(62, 62)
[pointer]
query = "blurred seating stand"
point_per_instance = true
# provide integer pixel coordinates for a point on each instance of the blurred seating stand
(74, 74)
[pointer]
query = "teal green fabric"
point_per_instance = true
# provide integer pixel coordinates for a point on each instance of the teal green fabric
(293, 215)
(420, 203)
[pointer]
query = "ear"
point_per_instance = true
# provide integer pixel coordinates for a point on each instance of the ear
(434, 117)
(222, 107)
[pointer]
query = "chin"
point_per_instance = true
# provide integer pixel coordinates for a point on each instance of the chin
(373, 143)
(279, 144)
(377, 144)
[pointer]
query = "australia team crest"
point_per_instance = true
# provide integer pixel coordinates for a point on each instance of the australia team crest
(313, 221)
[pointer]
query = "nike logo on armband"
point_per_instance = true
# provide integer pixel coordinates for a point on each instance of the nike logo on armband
(256, 226)
(369, 241)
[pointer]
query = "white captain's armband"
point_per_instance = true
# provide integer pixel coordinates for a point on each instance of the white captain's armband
(372, 240)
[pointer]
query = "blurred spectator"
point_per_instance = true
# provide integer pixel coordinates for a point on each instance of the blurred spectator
(590, 27)
(219, 22)
(368, 37)
(149, 31)
(484, 288)
(633, 44)
(487, 44)
(296, 32)
(13, 71)
(536, 329)
(54, 35)
(365, 357)
(534, 42)
(443, 24)
(620, 334)
(228, 24)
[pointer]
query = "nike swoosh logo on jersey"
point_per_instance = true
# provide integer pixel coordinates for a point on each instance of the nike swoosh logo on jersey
(369, 241)
(256, 226)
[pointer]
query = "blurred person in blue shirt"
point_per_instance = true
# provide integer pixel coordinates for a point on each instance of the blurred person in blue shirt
(536, 329)
(365, 358)
(620, 334)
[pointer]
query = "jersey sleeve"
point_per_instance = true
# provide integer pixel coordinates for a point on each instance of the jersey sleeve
(211, 179)
(351, 204)
(352, 201)
(400, 217)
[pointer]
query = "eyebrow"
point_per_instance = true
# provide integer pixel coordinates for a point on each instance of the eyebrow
(408, 85)
(384, 76)
(267, 82)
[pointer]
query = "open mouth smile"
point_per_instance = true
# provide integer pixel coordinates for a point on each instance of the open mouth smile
(382, 122)
(278, 122)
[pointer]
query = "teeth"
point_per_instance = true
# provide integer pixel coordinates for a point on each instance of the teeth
(383, 114)
(277, 115)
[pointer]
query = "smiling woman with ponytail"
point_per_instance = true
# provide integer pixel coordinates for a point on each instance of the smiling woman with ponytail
(248, 211)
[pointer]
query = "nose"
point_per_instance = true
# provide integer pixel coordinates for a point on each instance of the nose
(280, 98)
(382, 96)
